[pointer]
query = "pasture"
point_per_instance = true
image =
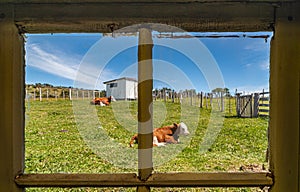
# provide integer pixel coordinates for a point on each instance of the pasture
(57, 141)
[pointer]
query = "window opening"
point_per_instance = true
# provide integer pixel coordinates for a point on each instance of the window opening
(113, 85)
(239, 146)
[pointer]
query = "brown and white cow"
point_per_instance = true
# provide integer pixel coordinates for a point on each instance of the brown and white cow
(165, 135)
(102, 101)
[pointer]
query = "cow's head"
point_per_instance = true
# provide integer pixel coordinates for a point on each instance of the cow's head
(183, 129)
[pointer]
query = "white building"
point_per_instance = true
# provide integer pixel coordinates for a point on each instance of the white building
(122, 89)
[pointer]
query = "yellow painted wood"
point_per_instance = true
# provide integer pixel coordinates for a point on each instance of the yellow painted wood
(143, 189)
(78, 180)
(107, 17)
(145, 109)
(235, 179)
(186, 179)
(284, 103)
(127, 1)
(12, 102)
(215, 16)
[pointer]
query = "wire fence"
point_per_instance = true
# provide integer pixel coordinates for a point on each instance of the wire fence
(258, 104)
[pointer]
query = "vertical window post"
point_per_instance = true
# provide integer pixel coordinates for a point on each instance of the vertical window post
(12, 101)
(284, 113)
(145, 125)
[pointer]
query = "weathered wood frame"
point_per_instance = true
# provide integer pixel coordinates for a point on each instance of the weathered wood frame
(37, 16)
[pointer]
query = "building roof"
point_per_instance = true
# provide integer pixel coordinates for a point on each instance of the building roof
(122, 78)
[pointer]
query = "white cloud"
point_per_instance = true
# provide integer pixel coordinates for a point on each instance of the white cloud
(265, 65)
(67, 66)
(248, 65)
(51, 63)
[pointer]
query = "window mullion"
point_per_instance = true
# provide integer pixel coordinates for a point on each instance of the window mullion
(145, 84)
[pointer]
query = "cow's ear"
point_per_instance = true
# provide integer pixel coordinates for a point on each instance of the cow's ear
(175, 124)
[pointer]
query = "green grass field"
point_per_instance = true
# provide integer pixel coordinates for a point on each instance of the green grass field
(82, 138)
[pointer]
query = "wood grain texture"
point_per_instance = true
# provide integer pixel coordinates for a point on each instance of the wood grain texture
(186, 179)
(108, 17)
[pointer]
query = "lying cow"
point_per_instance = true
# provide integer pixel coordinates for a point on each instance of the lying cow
(165, 135)
(102, 101)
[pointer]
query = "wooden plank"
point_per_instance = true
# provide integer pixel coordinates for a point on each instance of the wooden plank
(12, 105)
(186, 179)
(128, 1)
(264, 93)
(264, 115)
(264, 110)
(285, 106)
(145, 109)
(100, 17)
(264, 105)
(264, 99)
(234, 179)
(77, 180)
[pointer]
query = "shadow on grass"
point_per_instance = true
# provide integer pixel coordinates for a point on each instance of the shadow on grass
(231, 117)
(237, 117)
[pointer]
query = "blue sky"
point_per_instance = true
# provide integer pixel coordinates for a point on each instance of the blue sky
(86, 60)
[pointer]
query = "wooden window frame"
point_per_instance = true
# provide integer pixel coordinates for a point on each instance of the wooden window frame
(36, 16)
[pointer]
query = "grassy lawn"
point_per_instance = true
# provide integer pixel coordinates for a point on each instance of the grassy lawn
(62, 137)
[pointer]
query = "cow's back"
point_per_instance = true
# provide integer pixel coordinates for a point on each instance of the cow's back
(161, 133)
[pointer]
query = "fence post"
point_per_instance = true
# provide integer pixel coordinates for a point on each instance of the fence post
(211, 100)
(173, 96)
(256, 105)
(206, 100)
(251, 106)
(63, 92)
(40, 90)
(229, 104)
(201, 99)
(70, 94)
(238, 109)
(26, 95)
(180, 98)
(191, 95)
(222, 102)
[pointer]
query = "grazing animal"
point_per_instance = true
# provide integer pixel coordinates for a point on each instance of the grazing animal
(165, 135)
(102, 101)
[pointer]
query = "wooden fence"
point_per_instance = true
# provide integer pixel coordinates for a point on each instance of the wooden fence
(61, 93)
(201, 99)
(264, 104)
(252, 105)
(188, 97)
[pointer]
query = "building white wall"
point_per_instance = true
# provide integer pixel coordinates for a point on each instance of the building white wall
(125, 89)
(131, 90)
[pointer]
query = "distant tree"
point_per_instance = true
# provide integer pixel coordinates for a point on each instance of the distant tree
(102, 93)
(218, 92)
(47, 85)
(227, 93)
(38, 85)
